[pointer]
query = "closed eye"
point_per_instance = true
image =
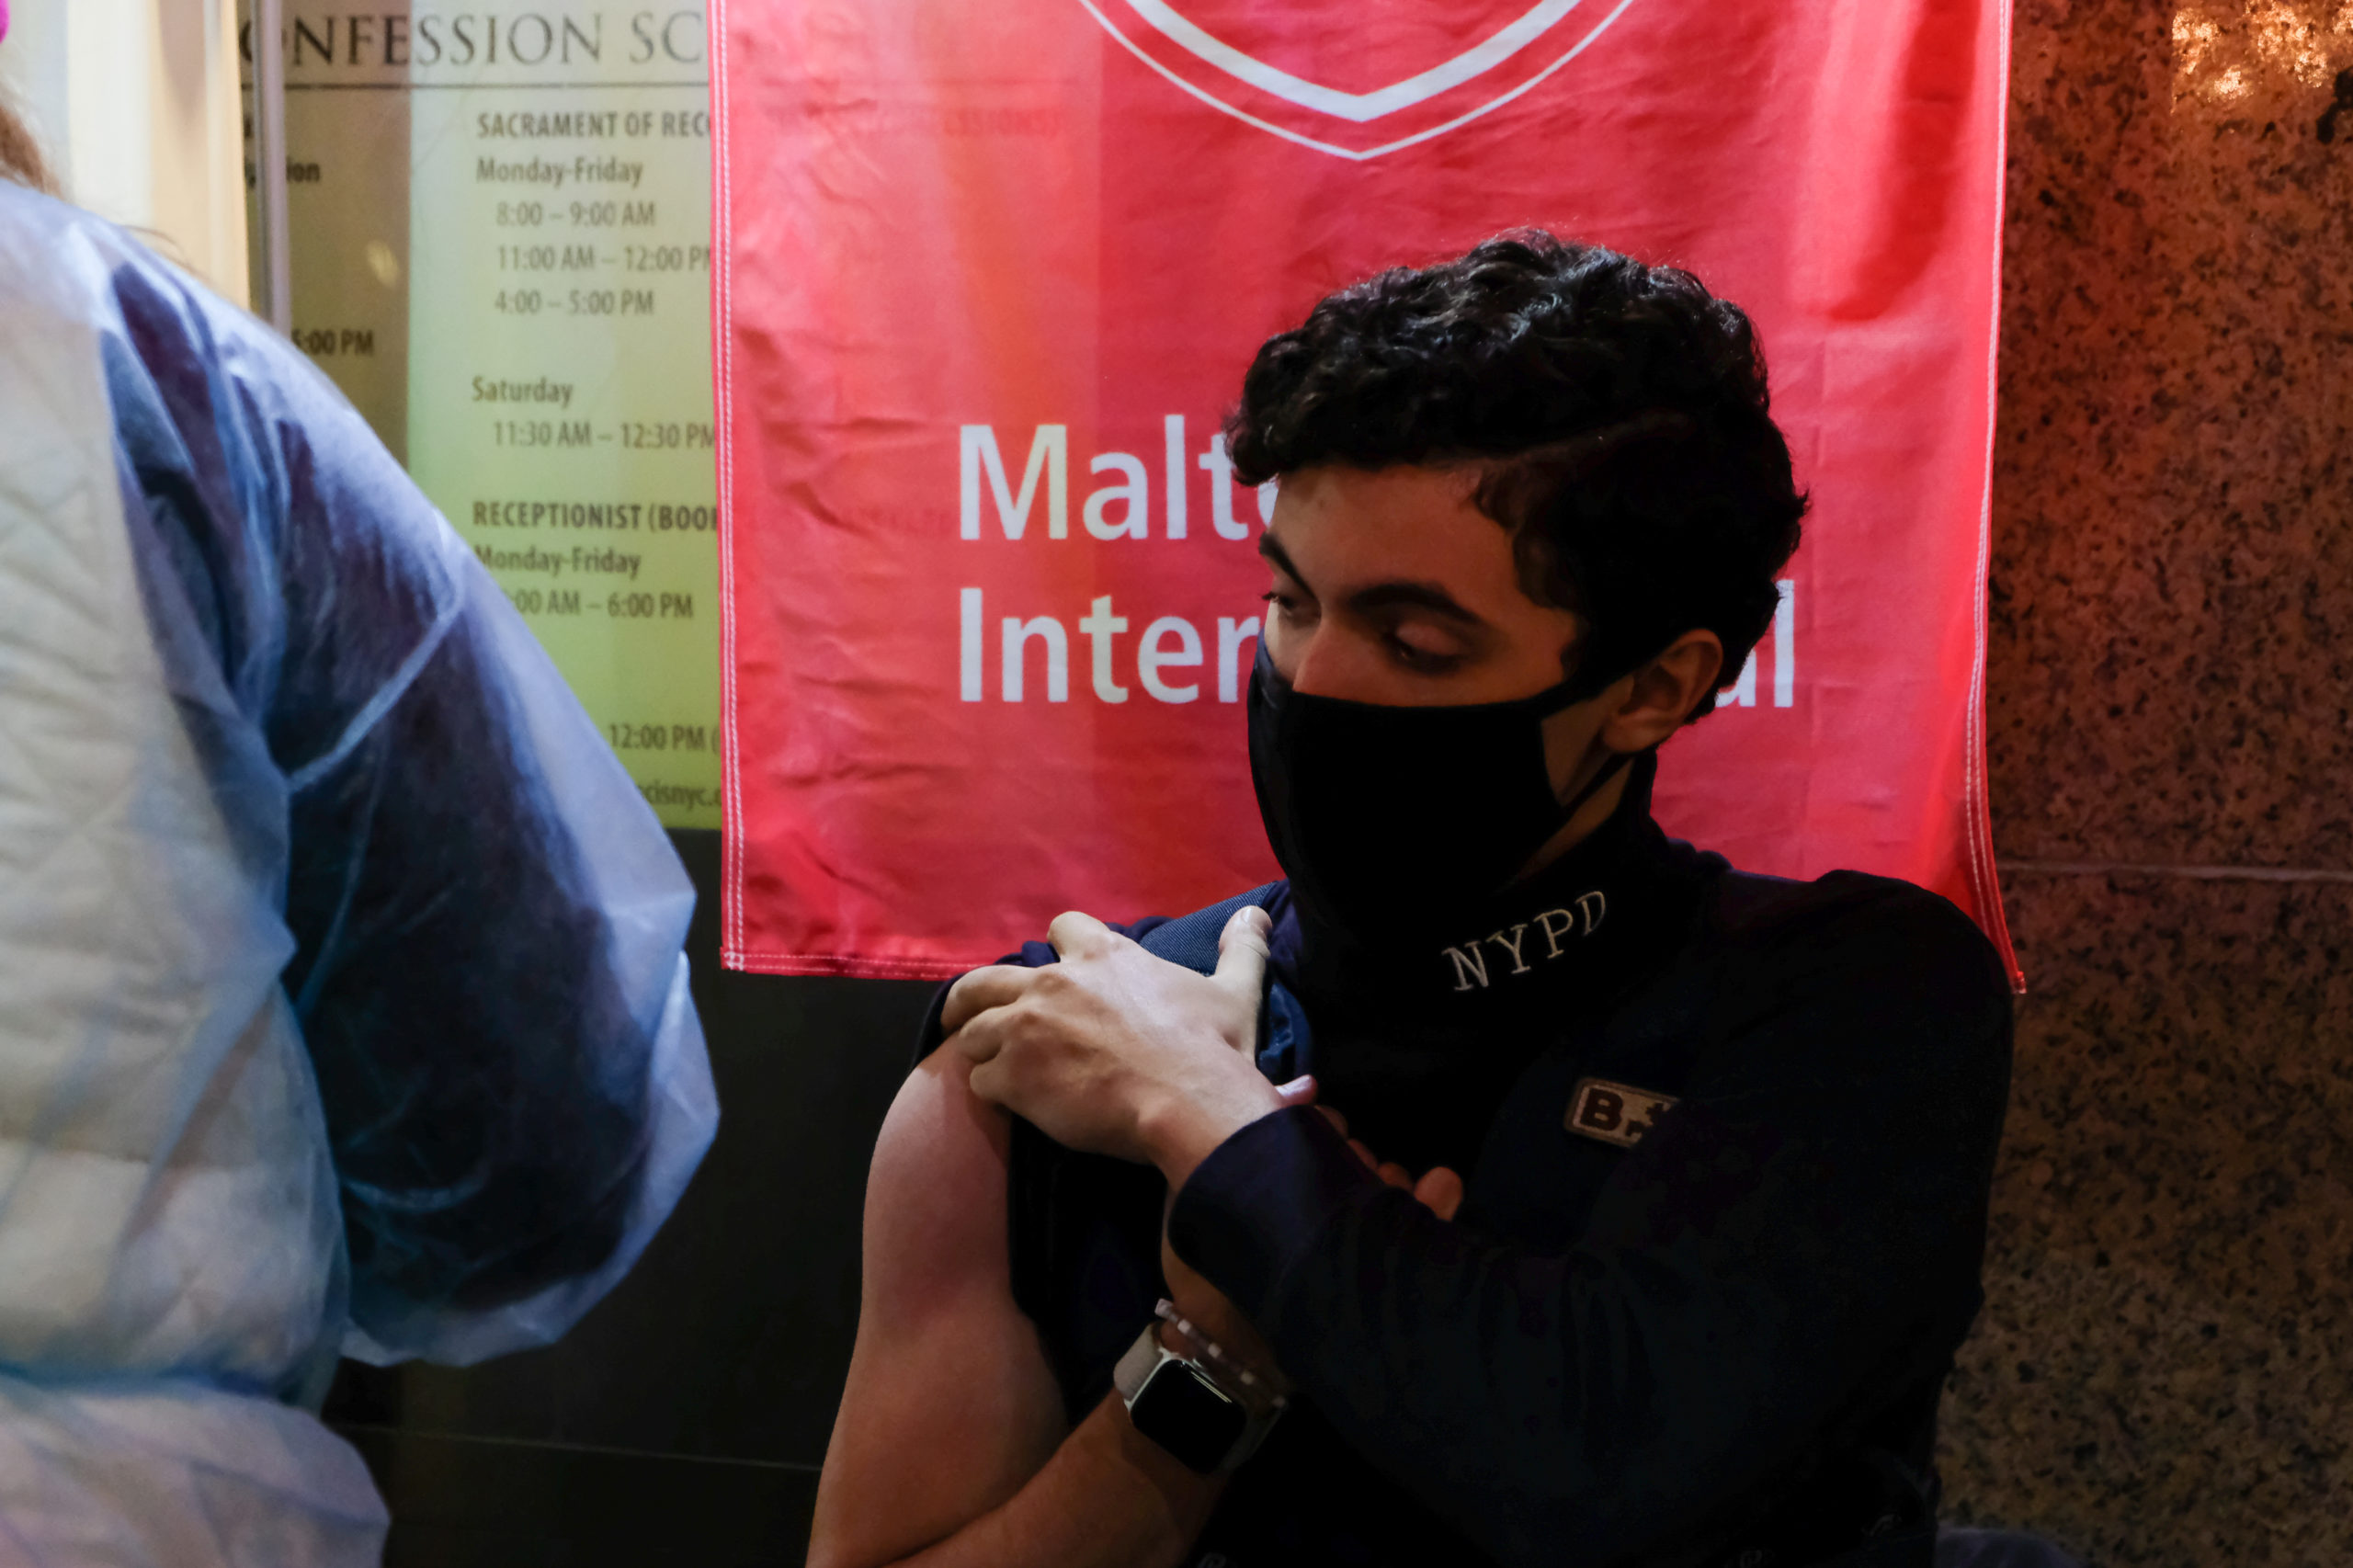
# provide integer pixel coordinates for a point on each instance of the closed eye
(1423, 649)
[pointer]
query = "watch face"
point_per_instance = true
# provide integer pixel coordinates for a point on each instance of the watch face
(1188, 1415)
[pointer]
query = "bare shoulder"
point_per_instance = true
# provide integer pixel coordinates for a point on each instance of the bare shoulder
(951, 1407)
(936, 1194)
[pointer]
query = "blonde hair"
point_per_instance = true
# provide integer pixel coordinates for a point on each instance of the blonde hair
(20, 154)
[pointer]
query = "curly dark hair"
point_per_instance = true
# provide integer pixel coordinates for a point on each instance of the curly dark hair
(1619, 412)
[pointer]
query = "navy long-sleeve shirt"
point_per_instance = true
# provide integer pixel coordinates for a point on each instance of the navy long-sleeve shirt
(1662, 1336)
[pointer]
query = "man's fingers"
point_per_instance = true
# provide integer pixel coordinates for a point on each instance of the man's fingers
(1242, 956)
(977, 991)
(976, 1042)
(1076, 933)
(988, 1080)
(1298, 1092)
(1440, 1191)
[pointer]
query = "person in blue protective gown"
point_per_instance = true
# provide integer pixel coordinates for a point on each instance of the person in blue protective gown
(343, 1008)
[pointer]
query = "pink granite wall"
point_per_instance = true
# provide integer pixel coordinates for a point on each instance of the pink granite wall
(2163, 1374)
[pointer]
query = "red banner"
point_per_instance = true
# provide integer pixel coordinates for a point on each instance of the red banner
(988, 277)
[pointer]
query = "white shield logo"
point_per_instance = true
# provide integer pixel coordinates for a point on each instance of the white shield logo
(1486, 73)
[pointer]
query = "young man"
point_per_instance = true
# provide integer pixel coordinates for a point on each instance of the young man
(1643, 1205)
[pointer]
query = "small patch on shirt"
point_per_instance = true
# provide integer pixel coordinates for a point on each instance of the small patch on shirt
(1614, 1113)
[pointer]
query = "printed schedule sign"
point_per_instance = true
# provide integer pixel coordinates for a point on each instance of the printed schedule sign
(990, 276)
(533, 333)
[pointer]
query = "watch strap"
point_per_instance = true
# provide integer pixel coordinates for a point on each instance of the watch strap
(1141, 1360)
(1148, 1358)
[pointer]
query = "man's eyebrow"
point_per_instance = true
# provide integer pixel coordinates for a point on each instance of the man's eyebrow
(1429, 597)
(1398, 594)
(1271, 550)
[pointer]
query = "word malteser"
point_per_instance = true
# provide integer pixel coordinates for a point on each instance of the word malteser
(1006, 653)
(1168, 657)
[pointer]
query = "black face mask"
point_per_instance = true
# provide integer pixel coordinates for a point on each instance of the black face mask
(1393, 823)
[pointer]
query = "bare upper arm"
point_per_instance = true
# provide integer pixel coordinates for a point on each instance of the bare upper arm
(951, 1407)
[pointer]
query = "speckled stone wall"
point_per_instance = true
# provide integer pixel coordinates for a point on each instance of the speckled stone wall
(2164, 1373)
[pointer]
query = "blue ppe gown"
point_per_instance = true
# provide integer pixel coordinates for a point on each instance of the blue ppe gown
(342, 1002)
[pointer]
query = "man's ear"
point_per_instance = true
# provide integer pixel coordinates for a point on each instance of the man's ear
(1664, 692)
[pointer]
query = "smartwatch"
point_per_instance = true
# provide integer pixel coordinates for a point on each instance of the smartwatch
(1193, 1407)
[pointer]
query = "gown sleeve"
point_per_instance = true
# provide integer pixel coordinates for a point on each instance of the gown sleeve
(487, 919)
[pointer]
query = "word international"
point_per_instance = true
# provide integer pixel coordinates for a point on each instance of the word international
(1171, 643)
